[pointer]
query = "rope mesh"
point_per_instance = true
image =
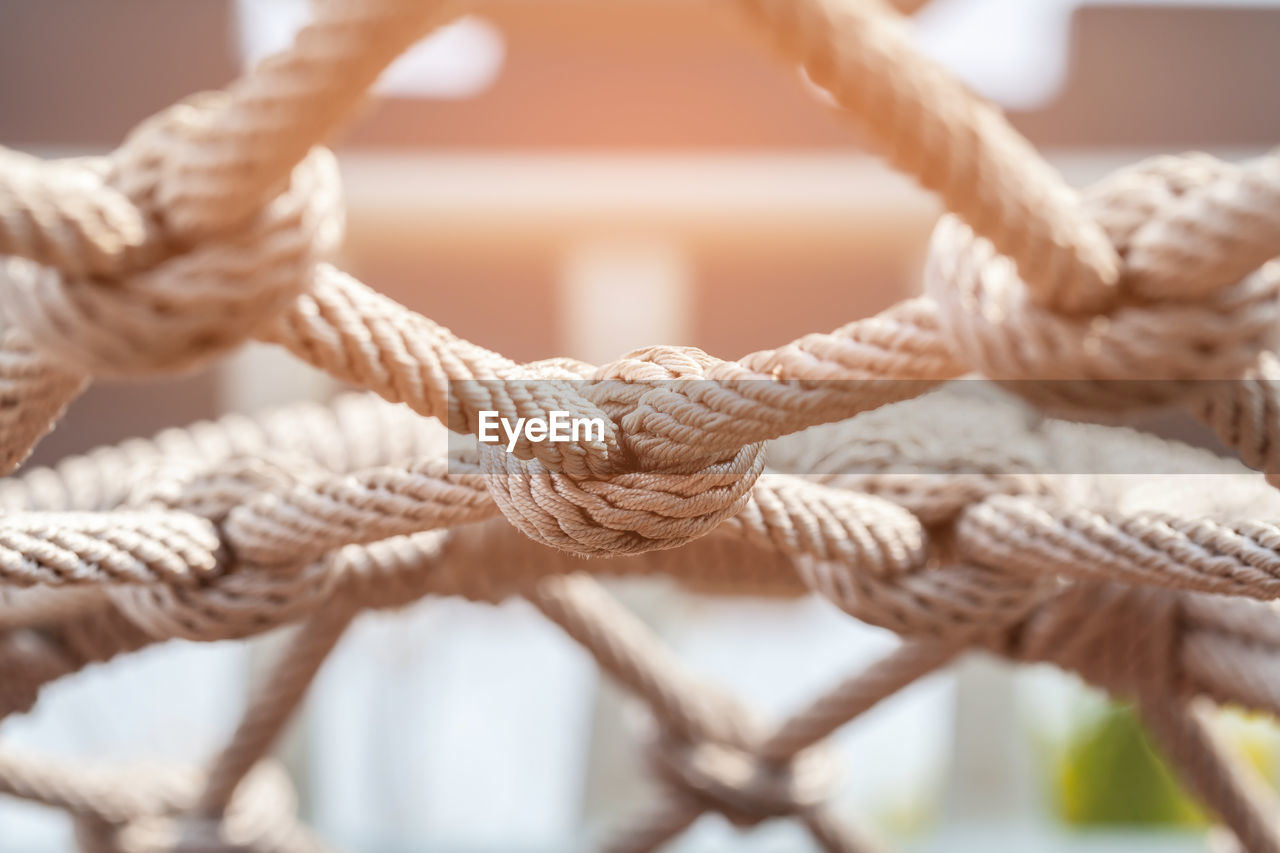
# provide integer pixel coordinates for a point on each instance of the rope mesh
(217, 221)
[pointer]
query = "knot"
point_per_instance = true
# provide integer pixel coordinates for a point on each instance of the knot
(741, 785)
(900, 580)
(1120, 638)
(242, 597)
(1150, 348)
(182, 303)
(666, 493)
(190, 484)
(243, 601)
(262, 818)
(63, 213)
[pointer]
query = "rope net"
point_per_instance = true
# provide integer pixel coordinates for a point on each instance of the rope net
(216, 222)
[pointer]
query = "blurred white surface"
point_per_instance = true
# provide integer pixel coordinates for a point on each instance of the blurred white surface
(177, 702)
(1015, 52)
(451, 724)
(457, 61)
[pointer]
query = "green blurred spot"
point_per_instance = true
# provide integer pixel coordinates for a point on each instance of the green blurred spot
(1109, 773)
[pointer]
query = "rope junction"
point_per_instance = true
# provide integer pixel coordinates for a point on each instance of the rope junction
(217, 221)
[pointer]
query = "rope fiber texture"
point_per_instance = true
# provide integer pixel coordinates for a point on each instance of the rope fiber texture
(976, 523)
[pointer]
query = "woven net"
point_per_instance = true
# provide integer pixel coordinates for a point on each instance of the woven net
(981, 523)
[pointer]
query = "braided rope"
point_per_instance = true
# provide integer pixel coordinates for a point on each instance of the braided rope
(216, 222)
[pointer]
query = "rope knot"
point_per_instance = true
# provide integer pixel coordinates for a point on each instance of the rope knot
(1153, 344)
(243, 596)
(170, 302)
(668, 492)
(744, 787)
(1121, 638)
(243, 601)
(191, 485)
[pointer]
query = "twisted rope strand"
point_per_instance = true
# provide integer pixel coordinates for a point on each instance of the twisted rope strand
(34, 392)
(357, 335)
(1212, 237)
(83, 791)
(63, 215)
(704, 734)
(1158, 549)
(214, 222)
(288, 103)
(272, 706)
(55, 549)
(856, 695)
(928, 125)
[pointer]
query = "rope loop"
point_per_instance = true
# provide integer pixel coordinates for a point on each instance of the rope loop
(173, 304)
(1150, 348)
(670, 493)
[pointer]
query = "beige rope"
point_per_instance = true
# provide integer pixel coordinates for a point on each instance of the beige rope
(65, 214)
(1245, 414)
(206, 300)
(1242, 558)
(271, 708)
(927, 124)
(52, 549)
(31, 660)
(309, 520)
(34, 391)
(185, 176)
(708, 749)
(355, 431)
(1229, 789)
(856, 695)
(214, 222)
(88, 791)
(236, 156)
(689, 462)
(1211, 237)
(262, 819)
(777, 527)
(1142, 354)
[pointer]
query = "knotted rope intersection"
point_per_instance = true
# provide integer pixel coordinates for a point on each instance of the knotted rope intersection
(217, 221)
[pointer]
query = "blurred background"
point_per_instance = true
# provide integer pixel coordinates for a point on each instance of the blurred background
(582, 177)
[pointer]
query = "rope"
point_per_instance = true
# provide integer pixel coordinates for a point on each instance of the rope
(707, 749)
(1242, 558)
(1242, 802)
(689, 461)
(64, 214)
(928, 125)
(271, 708)
(34, 392)
(235, 158)
(1162, 347)
(216, 222)
(52, 549)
